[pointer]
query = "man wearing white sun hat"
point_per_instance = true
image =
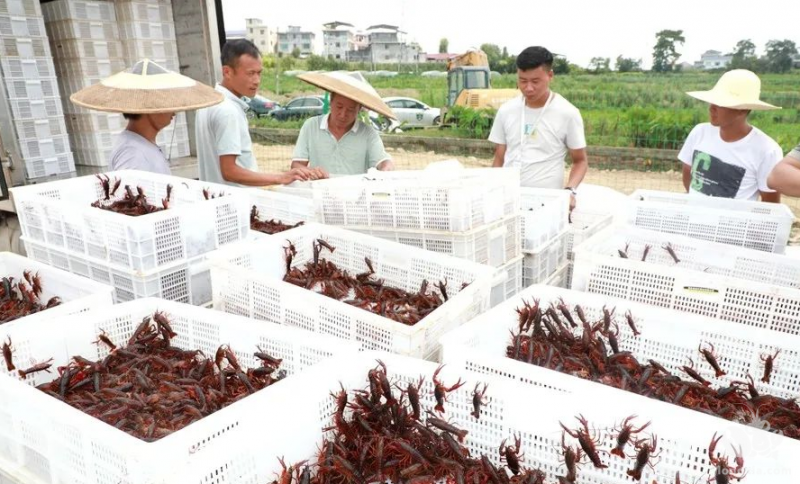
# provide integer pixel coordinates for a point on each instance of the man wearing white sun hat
(339, 142)
(148, 96)
(728, 157)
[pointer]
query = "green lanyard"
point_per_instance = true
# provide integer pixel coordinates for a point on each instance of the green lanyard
(326, 103)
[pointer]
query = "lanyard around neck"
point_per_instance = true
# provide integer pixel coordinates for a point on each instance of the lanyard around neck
(522, 135)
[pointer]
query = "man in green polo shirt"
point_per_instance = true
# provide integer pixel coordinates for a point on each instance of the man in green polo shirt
(339, 142)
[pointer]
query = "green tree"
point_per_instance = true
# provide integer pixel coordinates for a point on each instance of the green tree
(744, 56)
(561, 65)
(780, 54)
(296, 52)
(443, 45)
(627, 64)
(599, 64)
(665, 53)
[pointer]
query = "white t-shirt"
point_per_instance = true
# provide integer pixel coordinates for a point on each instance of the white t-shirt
(223, 129)
(729, 170)
(133, 152)
(548, 133)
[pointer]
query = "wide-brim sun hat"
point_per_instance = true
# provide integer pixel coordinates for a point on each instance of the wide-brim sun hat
(346, 85)
(147, 88)
(736, 89)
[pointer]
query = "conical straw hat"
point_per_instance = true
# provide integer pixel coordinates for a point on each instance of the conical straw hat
(147, 88)
(346, 85)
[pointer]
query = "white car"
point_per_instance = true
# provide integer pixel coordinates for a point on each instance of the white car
(411, 112)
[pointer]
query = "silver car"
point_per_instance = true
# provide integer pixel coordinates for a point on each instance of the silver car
(411, 112)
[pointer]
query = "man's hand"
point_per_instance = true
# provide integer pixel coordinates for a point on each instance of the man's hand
(293, 175)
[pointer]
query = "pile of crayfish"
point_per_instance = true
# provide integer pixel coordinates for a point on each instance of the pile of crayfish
(381, 434)
(364, 290)
(149, 388)
(18, 299)
(131, 204)
(548, 338)
(268, 226)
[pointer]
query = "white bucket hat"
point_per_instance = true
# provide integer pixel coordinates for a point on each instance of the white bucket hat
(348, 86)
(147, 88)
(736, 89)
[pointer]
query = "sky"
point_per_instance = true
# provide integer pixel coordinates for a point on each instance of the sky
(577, 29)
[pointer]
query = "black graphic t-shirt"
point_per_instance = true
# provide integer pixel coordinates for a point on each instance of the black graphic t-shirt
(715, 178)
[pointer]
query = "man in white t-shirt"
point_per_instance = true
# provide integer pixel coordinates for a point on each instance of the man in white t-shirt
(536, 131)
(728, 157)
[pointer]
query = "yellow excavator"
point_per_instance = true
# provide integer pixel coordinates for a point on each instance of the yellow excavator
(468, 83)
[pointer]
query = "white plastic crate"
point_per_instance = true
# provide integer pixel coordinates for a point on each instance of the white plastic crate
(35, 90)
(744, 223)
(150, 49)
(69, 85)
(97, 141)
(36, 109)
(537, 267)
(147, 31)
(29, 69)
(99, 159)
(47, 167)
(90, 123)
(82, 30)
(14, 26)
(44, 148)
(88, 49)
(544, 216)
(26, 48)
(33, 129)
(248, 280)
(493, 244)
(89, 67)
(77, 294)
(78, 10)
(177, 149)
(511, 273)
(717, 280)
(178, 132)
(584, 223)
(20, 8)
(683, 435)
(186, 281)
(60, 214)
(48, 441)
(449, 201)
(144, 12)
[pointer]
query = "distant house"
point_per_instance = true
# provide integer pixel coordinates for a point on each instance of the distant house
(296, 38)
(387, 45)
(796, 61)
(235, 34)
(440, 58)
(713, 59)
(337, 39)
(262, 36)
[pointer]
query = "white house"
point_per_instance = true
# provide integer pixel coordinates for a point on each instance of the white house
(261, 35)
(713, 59)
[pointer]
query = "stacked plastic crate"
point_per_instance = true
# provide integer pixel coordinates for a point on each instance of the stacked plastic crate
(83, 37)
(29, 83)
(545, 233)
(147, 30)
(471, 214)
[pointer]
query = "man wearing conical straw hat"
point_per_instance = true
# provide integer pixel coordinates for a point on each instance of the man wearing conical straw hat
(148, 96)
(728, 157)
(224, 148)
(339, 142)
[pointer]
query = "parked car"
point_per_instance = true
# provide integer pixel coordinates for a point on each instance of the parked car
(298, 108)
(411, 112)
(261, 106)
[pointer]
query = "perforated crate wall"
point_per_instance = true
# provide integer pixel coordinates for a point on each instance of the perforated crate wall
(717, 280)
(538, 267)
(71, 446)
(743, 223)
(545, 215)
(511, 275)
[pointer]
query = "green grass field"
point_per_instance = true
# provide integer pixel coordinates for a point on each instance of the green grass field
(625, 110)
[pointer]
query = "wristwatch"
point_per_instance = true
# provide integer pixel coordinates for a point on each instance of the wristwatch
(572, 190)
